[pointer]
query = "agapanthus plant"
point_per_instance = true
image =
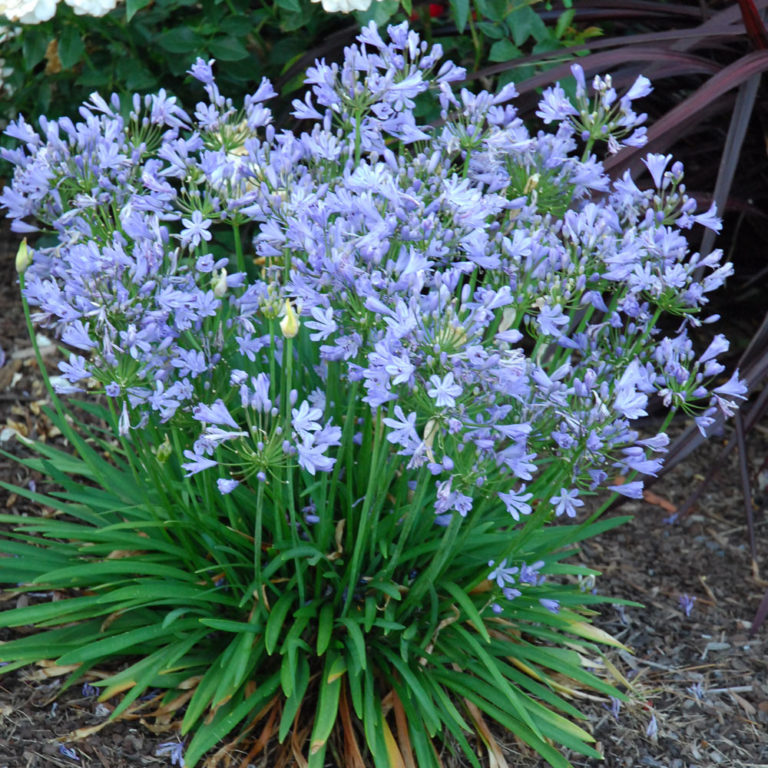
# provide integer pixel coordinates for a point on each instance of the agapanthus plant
(364, 382)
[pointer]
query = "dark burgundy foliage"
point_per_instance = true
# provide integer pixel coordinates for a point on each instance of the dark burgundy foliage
(706, 61)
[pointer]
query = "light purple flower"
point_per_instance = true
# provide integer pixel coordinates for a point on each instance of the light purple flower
(551, 320)
(629, 402)
(653, 727)
(566, 502)
(734, 387)
(656, 165)
(214, 436)
(639, 89)
(172, 749)
(215, 413)
(632, 490)
(226, 485)
(555, 106)
(68, 752)
(516, 502)
(77, 335)
(578, 73)
(312, 457)
(323, 323)
(195, 230)
(196, 463)
(444, 391)
(529, 574)
(402, 428)
(553, 606)
(75, 369)
(502, 574)
(686, 603)
(305, 420)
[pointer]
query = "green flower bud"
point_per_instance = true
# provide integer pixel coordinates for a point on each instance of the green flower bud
(164, 451)
(23, 257)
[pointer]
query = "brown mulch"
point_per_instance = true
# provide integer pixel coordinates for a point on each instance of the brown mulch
(700, 678)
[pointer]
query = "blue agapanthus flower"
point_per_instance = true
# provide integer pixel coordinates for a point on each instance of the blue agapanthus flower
(484, 292)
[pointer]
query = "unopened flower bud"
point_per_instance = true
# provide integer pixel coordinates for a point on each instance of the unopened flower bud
(289, 325)
(23, 257)
(219, 284)
(430, 431)
(532, 183)
(164, 451)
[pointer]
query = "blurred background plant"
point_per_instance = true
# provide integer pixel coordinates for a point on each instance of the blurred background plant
(708, 109)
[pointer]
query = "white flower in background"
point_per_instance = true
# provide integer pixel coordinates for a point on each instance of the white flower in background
(6, 34)
(28, 11)
(35, 11)
(341, 6)
(91, 7)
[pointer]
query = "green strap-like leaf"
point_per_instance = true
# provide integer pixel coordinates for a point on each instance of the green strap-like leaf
(357, 641)
(129, 641)
(58, 610)
(100, 570)
(324, 628)
(327, 709)
(296, 698)
(427, 709)
(275, 621)
(227, 718)
(466, 604)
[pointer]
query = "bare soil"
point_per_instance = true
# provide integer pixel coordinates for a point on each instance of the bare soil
(699, 682)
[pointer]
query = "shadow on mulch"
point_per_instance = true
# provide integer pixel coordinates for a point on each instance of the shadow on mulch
(699, 683)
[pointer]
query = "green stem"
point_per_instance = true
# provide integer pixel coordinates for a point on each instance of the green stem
(257, 529)
(347, 434)
(650, 326)
(441, 557)
(587, 150)
(374, 477)
(411, 517)
(358, 138)
(240, 258)
(36, 348)
(285, 408)
(272, 360)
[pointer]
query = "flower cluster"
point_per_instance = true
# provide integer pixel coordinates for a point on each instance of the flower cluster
(609, 118)
(480, 298)
(37, 11)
